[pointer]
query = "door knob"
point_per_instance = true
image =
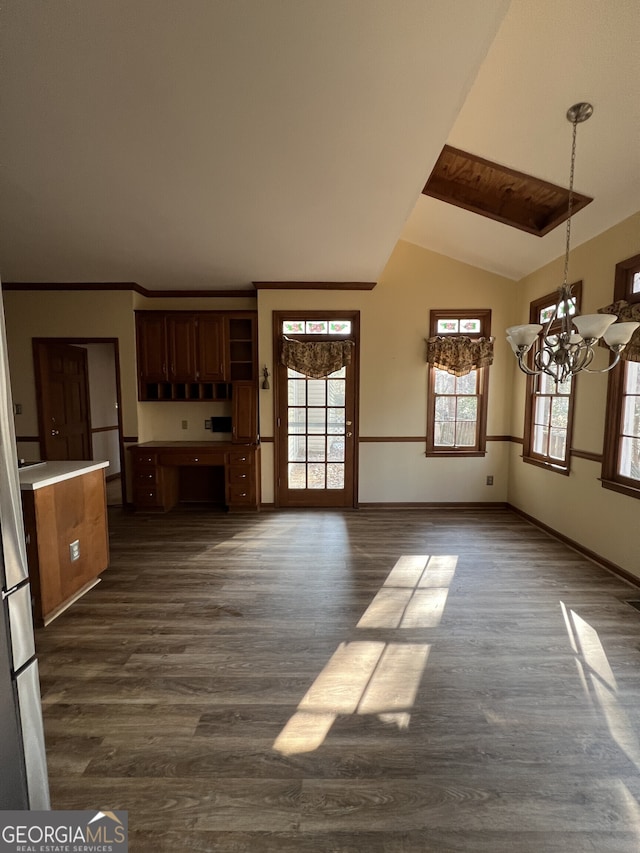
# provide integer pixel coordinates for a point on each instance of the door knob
(349, 434)
(55, 432)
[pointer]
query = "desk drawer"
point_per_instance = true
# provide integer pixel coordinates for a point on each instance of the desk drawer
(140, 458)
(145, 477)
(192, 458)
(240, 475)
(241, 495)
(241, 457)
(146, 496)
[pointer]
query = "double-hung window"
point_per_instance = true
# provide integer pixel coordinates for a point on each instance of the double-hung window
(457, 404)
(621, 462)
(549, 406)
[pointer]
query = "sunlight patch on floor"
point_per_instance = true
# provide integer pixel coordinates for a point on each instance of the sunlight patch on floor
(376, 677)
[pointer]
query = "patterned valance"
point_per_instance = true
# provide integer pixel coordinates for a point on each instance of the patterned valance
(459, 354)
(316, 359)
(625, 312)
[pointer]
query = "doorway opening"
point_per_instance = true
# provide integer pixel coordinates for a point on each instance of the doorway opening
(80, 404)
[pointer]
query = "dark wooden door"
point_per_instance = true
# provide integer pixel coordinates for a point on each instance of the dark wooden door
(64, 415)
(316, 419)
(181, 347)
(211, 348)
(152, 347)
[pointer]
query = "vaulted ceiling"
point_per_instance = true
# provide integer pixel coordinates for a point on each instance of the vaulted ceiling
(205, 144)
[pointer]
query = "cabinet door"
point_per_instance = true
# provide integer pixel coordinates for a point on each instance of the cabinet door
(152, 347)
(244, 414)
(181, 347)
(211, 348)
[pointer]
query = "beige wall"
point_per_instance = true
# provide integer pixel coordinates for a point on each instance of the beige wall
(394, 322)
(67, 314)
(577, 506)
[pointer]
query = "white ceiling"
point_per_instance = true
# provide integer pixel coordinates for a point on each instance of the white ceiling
(205, 144)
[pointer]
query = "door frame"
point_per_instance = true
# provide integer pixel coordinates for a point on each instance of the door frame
(39, 379)
(317, 314)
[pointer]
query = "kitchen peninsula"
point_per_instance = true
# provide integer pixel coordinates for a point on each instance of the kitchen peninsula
(65, 519)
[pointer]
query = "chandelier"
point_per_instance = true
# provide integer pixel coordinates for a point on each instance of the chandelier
(569, 349)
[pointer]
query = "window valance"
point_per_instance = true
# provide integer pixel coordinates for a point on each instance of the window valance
(626, 311)
(316, 359)
(459, 354)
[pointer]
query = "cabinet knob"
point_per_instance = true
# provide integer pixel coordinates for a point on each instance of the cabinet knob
(242, 476)
(196, 459)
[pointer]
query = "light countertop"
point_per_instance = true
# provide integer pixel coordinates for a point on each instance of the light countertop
(49, 473)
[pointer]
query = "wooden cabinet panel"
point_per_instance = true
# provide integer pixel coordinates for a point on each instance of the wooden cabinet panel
(212, 364)
(181, 347)
(151, 347)
(244, 417)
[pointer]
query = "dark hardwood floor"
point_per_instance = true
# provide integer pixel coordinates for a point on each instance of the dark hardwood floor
(348, 682)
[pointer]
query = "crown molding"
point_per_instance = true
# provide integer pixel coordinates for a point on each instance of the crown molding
(124, 285)
(314, 285)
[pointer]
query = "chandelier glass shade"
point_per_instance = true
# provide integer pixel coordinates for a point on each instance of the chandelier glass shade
(565, 345)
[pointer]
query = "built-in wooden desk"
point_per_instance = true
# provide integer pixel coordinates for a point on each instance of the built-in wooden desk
(157, 465)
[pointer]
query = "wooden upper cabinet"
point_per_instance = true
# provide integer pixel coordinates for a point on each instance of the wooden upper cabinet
(194, 355)
(212, 349)
(152, 346)
(182, 332)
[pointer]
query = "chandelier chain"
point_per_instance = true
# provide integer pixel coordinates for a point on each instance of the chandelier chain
(565, 278)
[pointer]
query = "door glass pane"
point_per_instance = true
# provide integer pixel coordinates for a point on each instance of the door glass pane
(316, 445)
(335, 448)
(317, 420)
(336, 392)
(316, 475)
(335, 421)
(297, 420)
(297, 475)
(296, 392)
(297, 448)
(317, 392)
(335, 476)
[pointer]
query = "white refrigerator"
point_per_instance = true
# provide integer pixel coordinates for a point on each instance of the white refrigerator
(23, 777)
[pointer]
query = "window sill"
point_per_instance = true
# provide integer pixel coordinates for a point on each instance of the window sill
(622, 488)
(549, 466)
(453, 452)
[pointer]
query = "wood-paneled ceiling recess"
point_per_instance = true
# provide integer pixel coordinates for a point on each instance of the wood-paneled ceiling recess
(500, 193)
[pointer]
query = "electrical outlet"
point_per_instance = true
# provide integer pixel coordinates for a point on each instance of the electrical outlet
(185, 424)
(17, 408)
(490, 480)
(207, 423)
(74, 550)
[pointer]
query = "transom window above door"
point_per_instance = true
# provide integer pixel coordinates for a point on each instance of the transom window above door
(316, 327)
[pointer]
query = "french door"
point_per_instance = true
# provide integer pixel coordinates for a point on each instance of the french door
(316, 419)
